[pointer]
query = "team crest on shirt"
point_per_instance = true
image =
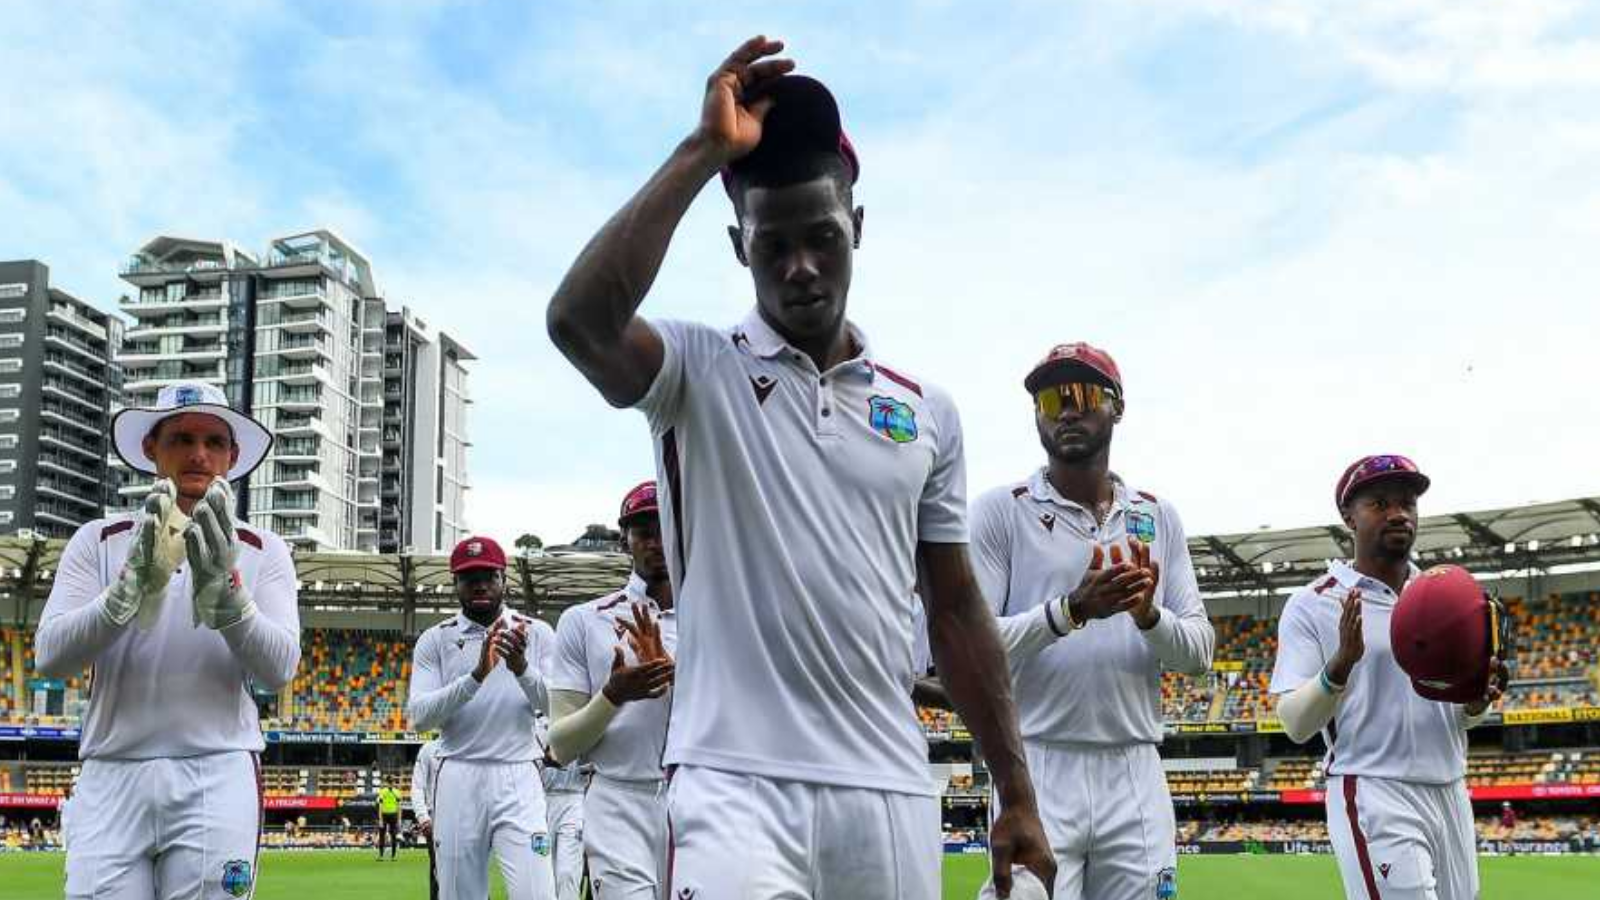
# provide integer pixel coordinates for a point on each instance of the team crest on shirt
(541, 844)
(1142, 525)
(892, 418)
(236, 877)
(1167, 884)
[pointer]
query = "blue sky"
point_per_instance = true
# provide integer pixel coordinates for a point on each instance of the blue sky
(1307, 230)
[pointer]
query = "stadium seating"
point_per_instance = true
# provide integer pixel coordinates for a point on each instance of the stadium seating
(1558, 636)
(1230, 781)
(351, 681)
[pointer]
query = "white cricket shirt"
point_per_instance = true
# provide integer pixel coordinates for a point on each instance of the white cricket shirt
(1102, 683)
(177, 689)
(587, 636)
(423, 774)
(1381, 728)
(792, 505)
(488, 722)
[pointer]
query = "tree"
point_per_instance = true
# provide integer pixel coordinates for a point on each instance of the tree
(529, 542)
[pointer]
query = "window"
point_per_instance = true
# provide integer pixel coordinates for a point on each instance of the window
(7, 491)
(7, 466)
(10, 341)
(8, 442)
(5, 517)
(10, 365)
(10, 391)
(13, 316)
(10, 415)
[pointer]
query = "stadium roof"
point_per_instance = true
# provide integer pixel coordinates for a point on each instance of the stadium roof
(1536, 537)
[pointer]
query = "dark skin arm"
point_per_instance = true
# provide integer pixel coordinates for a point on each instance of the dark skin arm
(972, 664)
(593, 317)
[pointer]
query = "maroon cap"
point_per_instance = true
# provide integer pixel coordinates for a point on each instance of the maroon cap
(477, 553)
(1443, 631)
(1368, 469)
(804, 118)
(1063, 358)
(640, 501)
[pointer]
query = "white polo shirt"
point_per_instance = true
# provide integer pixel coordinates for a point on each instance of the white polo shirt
(488, 722)
(792, 504)
(1381, 728)
(1101, 684)
(587, 637)
(175, 690)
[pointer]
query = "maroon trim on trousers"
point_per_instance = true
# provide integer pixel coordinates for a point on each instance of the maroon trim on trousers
(897, 378)
(672, 856)
(1360, 839)
(261, 821)
(115, 528)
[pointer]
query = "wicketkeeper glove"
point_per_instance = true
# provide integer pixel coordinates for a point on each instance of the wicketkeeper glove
(139, 590)
(220, 598)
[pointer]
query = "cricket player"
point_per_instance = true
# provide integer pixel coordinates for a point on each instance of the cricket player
(388, 819)
(804, 482)
(1398, 812)
(1095, 594)
(423, 773)
(180, 609)
(563, 790)
(479, 678)
(611, 711)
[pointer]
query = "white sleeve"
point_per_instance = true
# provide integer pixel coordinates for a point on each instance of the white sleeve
(420, 783)
(541, 657)
(1300, 656)
(74, 629)
(569, 670)
(686, 347)
(1183, 638)
(1306, 710)
(267, 644)
(942, 509)
(1024, 634)
(431, 701)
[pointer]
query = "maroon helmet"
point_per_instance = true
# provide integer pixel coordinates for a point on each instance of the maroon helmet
(1443, 632)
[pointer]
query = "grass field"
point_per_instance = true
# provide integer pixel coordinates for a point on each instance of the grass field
(353, 875)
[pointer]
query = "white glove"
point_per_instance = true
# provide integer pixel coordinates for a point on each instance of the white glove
(220, 599)
(142, 585)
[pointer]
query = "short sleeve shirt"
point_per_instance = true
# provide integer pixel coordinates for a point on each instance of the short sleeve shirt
(1382, 728)
(793, 501)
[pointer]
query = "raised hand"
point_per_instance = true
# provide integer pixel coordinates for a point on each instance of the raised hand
(1352, 644)
(489, 651)
(1105, 592)
(511, 645)
(220, 597)
(1144, 611)
(139, 590)
(645, 681)
(733, 109)
(644, 635)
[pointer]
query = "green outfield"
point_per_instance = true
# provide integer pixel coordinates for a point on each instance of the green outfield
(354, 875)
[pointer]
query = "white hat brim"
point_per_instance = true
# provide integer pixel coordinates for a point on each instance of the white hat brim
(130, 427)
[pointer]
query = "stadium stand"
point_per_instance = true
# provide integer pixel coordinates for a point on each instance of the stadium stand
(351, 681)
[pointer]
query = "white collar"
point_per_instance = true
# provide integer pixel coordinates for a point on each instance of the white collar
(765, 342)
(1349, 578)
(1041, 489)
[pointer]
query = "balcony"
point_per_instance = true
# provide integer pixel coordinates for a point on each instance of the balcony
(55, 412)
(305, 323)
(72, 441)
(294, 296)
(66, 466)
(303, 374)
(161, 305)
(70, 495)
(70, 317)
(63, 338)
(71, 394)
(302, 399)
(62, 363)
(298, 448)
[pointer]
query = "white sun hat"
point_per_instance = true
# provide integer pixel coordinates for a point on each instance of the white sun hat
(130, 426)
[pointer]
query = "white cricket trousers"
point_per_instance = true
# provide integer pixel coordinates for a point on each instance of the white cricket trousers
(1399, 840)
(627, 842)
(566, 817)
(746, 837)
(1109, 819)
(484, 806)
(173, 829)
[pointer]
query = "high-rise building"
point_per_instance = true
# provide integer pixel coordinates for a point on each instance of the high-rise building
(423, 480)
(297, 339)
(57, 387)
